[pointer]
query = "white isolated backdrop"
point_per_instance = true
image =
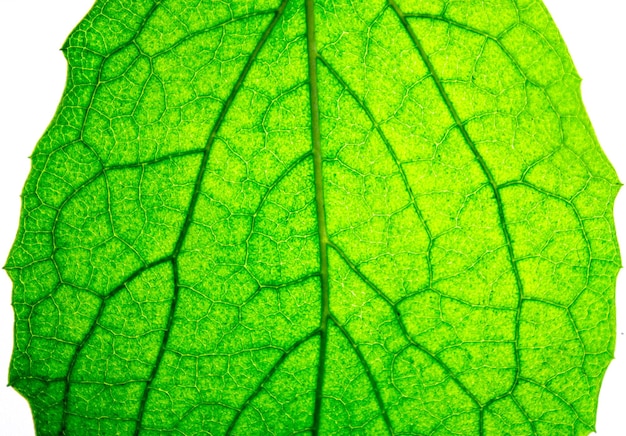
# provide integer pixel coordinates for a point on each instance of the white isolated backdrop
(32, 78)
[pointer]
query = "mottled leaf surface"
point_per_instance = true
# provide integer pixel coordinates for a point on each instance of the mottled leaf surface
(316, 217)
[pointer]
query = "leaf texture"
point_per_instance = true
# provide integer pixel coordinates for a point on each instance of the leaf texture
(320, 217)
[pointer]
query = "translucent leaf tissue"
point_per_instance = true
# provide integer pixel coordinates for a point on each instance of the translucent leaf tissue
(316, 217)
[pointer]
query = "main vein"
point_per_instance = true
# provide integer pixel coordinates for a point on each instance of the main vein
(319, 202)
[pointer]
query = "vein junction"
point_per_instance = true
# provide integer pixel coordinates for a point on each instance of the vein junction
(356, 228)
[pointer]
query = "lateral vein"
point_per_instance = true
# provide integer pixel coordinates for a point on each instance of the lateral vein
(485, 169)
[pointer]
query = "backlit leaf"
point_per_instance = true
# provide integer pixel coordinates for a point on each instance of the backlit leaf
(330, 217)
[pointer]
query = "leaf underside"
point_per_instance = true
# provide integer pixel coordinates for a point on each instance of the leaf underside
(331, 217)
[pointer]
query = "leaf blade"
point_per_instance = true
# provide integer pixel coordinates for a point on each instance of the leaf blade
(445, 275)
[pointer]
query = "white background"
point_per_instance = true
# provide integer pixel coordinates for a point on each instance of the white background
(32, 77)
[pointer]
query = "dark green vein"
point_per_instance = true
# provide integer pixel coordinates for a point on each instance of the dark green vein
(320, 206)
(218, 124)
(90, 333)
(55, 220)
(570, 204)
(523, 411)
(458, 24)
(400, 321)
(194, 200)
(560, 400)
(99, 80)
(89, 181)
(496, 40)
(265, 379)
(199, 405)
(213, 27)
(161, 353)
(156, 160)
(140, 28)
(81, 133)
(483, 165)
(101, 172)
(368, 372)
(394, 156)
(269, 190)
(290, 283)
(277, 286)
(107, 185)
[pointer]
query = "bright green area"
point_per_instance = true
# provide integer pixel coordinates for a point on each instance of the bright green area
(331, 217)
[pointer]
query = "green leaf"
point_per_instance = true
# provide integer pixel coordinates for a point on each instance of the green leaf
(384, 217)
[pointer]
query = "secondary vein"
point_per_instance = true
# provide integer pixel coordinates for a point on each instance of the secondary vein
(481, 161)
(220, 121)
(194, 200)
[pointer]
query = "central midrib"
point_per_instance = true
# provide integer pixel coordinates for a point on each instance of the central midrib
(321, 213)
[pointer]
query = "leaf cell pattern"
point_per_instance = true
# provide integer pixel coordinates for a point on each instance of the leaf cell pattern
(316, 217)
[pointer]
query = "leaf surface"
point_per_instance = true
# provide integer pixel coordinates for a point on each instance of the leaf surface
(333, 217)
